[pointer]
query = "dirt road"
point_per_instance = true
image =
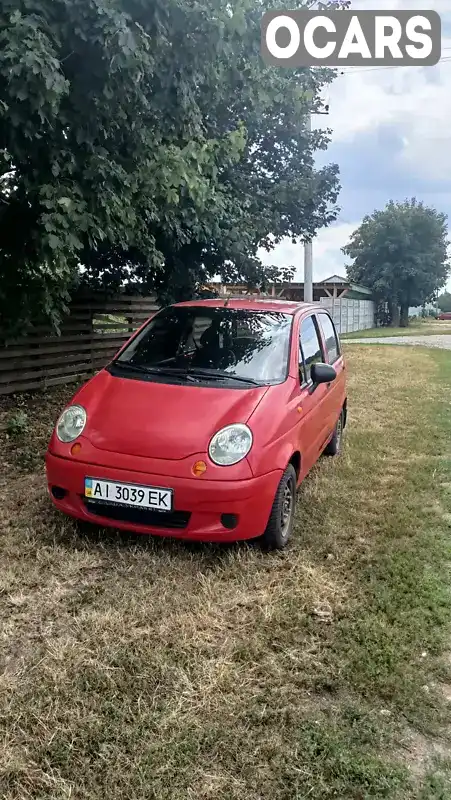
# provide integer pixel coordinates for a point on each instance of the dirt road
(435, 340)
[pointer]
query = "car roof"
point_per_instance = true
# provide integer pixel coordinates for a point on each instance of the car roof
(252, 304)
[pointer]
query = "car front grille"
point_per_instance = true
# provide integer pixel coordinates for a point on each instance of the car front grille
(139, 516)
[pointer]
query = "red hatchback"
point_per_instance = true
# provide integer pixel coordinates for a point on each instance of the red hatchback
(204, 423)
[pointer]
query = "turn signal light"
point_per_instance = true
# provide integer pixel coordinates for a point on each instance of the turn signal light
(199, 468)
(75, 449)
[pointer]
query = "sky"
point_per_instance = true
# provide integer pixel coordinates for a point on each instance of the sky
(391, 137)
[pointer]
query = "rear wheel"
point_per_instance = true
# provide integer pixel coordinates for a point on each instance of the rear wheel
(280, 523)
(334, 446)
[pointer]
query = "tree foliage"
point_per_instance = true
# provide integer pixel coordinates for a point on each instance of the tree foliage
(444, 302)
(401, 254)
(146, 141)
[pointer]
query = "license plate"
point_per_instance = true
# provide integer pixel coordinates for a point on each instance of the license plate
(128, 494)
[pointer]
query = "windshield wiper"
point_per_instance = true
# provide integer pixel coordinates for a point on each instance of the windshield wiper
(221, 374)
(190, 373)
(182, 373)
(127, 365)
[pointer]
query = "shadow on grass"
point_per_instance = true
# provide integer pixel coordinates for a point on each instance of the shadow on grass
(72, 534)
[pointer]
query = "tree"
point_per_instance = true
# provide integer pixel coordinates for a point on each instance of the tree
(401, 254)
(444, 301)
(146, 141)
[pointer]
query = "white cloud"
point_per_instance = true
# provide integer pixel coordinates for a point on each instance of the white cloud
(327, 256)
(402, 5)
(405, 98)
(415, 100)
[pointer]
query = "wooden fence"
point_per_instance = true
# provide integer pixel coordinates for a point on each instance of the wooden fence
(91, 334)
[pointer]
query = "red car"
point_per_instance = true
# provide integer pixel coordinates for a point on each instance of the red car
(445, 315)
(204, 423)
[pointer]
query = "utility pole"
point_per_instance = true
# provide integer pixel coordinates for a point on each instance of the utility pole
(308, 246)
(308, 249)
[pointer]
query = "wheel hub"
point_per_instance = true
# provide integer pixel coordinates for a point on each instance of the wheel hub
(286, 509)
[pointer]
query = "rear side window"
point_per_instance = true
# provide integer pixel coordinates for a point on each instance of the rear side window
(330, 336)
(311, 352)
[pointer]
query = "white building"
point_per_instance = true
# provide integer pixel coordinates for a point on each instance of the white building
(418, 310)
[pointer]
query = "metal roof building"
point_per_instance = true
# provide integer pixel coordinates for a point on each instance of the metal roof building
(335, 287)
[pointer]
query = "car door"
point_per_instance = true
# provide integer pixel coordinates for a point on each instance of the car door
(336, 390)
(312, 429)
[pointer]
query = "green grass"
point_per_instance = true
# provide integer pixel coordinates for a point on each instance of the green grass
(138, 668)
(425, 328)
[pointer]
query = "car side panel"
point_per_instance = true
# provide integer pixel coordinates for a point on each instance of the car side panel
(290, 419)
(336, 397)
(336, 390)
(310, 427)
(274, 426)
(315, 406)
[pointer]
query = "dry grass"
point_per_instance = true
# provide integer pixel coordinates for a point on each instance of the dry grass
(139, 668)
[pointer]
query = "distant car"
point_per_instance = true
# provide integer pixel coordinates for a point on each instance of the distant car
(444, 315)
(204, 423)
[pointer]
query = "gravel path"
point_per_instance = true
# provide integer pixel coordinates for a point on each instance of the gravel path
(435, 340)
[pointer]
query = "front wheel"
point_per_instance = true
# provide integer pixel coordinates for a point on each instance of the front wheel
(280, 523)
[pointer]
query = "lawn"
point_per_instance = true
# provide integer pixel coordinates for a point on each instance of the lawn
(136, 668)
(424, 328)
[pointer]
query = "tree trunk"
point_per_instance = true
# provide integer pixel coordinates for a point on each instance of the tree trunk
(404, 319)
(394, 315)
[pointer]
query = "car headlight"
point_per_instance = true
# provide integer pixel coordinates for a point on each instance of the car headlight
(230, 445)
(71, 424)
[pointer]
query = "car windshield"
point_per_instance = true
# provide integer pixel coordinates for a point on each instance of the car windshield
(252, 345)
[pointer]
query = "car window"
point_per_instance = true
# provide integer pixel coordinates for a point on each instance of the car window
(198, 326)
(248, 344)
(330, 336)
(310, 345)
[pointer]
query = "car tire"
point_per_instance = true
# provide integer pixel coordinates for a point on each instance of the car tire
(280, 524)
(334, 446)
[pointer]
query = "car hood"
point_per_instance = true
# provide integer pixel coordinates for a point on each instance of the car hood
(157, 420)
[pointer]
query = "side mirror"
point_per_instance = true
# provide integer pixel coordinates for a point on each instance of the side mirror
(322, 373)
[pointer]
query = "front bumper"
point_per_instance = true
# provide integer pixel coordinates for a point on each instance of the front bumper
(198, 503)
